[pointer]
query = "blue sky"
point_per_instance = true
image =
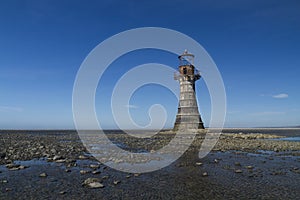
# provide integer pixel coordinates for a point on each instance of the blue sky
(255, 45)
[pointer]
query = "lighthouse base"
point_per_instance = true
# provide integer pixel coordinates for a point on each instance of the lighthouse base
(188, 126)
(188, 122)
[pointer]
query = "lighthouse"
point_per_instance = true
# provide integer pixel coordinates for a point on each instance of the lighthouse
(188, 116)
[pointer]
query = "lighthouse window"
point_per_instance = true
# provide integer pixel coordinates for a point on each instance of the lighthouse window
(184, 70)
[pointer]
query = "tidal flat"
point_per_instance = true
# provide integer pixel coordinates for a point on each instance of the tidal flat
(244, 164)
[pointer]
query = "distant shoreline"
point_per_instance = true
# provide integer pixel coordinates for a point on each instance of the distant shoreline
(234, 128)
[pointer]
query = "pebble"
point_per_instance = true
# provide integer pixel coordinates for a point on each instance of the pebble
(249, 167)
(60, 161)
(93, 183)
(82, 157)
(199, 163)
(12, 165)
(67, 170)
(238, 171)
(53, 151)
(43, 175)
(84, 171)
(237, 164)
(14, 168)
(93, 166)
(56, 157)
(96, 172)
(72, 165)
(105, 177)
(62, 192)
(205, 174)
(90, 180)
(22, 167)
(116, 182)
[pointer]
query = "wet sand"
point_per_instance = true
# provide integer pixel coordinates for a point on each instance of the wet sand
(240, 167)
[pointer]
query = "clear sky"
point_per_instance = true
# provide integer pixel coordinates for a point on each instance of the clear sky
(255, 44)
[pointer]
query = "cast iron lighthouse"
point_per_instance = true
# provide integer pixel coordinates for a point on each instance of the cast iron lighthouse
(188, 116)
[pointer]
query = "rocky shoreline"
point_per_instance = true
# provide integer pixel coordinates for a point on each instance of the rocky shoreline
(58, 158)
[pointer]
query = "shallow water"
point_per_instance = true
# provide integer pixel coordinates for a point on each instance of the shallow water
(286, 132)
(293, 139)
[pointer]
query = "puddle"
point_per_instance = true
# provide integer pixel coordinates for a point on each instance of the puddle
(293, 139)
(41, 161)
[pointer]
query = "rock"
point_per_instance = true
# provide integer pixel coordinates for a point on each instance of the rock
(136, 174)
(93, 166)
(199, 163)
(249, 167)
(67, 170)
(96, 172)
(82, 157)
(62, 192)
(237, 164)
(22, 167)
(116, 182)
(205, 174)
(216, 160)
(14, 168)
(72, 165)
(12, 165)
(53, 151)
(90, 180)
(128, 176)
(56, 157)
(4, 181)
(238, 171)
(60, 161)
(43, 175)
(84, 171)
(95, 185)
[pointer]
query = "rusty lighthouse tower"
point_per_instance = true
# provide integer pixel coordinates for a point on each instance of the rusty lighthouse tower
(188, 116)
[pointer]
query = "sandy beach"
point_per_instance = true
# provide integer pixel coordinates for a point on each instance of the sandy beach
(243, 165)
